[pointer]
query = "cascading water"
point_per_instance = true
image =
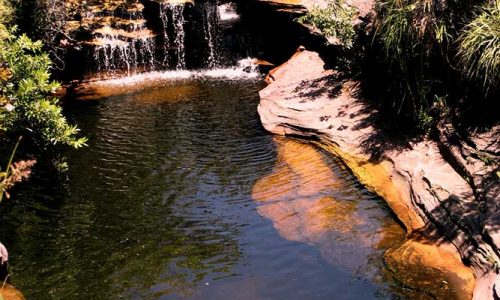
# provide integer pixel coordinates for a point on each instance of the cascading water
(166, 40)
(172, 16)
(174, 33)
(210, 26)
(227, 12)
(178, 21)
(166, 35)
(123, 43)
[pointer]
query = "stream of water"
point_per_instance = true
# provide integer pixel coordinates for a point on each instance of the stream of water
(181, 194)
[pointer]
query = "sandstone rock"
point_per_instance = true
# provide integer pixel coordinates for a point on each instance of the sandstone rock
(439, 208)
(8, 292)
(177, 2)
(440, 280)
(289, 72)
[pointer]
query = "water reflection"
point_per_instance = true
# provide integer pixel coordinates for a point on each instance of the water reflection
(146, 208)
(309, 202)
(161, 205)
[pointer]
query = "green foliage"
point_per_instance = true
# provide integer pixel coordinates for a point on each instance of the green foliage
(479, 46)
(27, 104)
(333, 21)
(425, 121)
(419, 39)
(6, 12)
(413, 33)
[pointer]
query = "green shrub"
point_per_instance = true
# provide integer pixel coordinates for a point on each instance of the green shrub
(27, 104)
(6, 12)
(333, 21)
(479, 46)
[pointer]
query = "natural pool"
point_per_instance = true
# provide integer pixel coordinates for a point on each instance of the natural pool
(182, 194)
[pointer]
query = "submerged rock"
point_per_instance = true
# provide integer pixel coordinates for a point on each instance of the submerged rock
(438, 207)
(308, 203)
(8, 292)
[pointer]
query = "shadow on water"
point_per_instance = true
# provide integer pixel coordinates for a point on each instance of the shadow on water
(181, 194)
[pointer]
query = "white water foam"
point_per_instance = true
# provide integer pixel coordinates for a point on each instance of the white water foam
(227, 12)
(245, 69)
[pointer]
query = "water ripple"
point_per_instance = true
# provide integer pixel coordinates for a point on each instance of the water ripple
(181, 194)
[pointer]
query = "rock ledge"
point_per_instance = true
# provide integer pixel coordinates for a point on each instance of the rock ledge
(452, 223)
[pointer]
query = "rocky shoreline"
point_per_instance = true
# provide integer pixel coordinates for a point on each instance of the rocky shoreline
(443, 190)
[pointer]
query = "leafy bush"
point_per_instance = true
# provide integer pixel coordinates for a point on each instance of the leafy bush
(27, 104)
(479, 46)
(6, 12)
(333, 21)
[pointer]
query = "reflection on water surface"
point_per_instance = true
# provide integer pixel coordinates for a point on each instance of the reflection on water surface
(181, 194)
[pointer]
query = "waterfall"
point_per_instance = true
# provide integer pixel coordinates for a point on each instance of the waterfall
(173, 35)
(210, 24)
(166, 40)
(227, 12)
(123, 43)
(177, 21)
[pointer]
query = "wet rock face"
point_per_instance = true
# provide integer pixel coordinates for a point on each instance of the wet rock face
(409, 258)
(449, 220)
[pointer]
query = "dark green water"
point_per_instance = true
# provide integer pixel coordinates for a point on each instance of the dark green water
(163, 205)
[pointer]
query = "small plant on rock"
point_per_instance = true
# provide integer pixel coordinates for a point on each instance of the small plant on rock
(333, 21)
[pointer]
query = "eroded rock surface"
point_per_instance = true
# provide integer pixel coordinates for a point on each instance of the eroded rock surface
(449, 220)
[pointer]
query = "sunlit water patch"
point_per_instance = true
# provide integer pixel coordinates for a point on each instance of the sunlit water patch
(181, 194)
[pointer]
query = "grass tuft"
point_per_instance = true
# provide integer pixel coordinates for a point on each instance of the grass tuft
(479, 46)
